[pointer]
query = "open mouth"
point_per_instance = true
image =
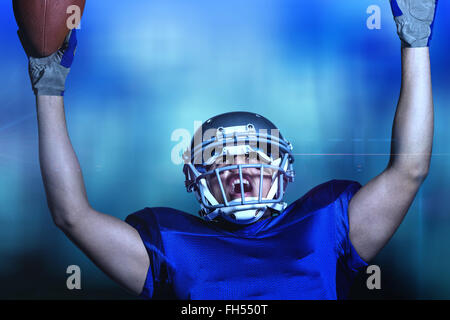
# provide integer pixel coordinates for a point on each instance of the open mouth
(234, 186)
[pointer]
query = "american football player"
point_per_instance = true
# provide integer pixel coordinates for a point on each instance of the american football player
(246, 243)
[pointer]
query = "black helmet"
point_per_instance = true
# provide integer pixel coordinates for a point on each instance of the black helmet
(231, 134)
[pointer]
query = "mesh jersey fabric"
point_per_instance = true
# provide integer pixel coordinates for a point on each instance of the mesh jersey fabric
(304, 253)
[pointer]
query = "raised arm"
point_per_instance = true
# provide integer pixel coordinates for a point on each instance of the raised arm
(378, 208)
(113, 245)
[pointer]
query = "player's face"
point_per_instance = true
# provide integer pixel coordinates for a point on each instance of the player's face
(232, 184)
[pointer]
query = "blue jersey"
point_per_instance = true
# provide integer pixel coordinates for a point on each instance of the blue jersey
(304, 253)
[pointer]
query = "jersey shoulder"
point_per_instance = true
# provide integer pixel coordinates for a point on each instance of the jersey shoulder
(170, 220)
(325, 194)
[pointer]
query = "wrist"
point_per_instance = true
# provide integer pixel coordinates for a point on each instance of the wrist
(48, 100)
(50, 92)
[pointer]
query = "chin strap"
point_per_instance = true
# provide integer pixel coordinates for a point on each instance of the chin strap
(274, 188)
(208, 195)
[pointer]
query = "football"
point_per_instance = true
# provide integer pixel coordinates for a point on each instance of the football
(44, 24)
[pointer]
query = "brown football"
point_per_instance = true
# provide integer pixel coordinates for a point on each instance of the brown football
(44, 24)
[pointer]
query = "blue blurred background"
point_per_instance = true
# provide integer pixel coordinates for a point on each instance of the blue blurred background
(147, 68)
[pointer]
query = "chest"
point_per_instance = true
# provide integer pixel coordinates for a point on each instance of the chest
(294, 260)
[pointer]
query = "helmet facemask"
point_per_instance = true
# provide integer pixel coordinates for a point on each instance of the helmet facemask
(240, 192)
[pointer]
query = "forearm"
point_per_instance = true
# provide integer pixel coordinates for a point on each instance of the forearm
(61, 173)
(412, 134)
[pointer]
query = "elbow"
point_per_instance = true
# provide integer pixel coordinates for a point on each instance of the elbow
(62, 221)
(65, 219)
(417, 173)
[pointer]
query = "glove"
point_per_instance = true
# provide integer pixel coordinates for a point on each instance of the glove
(414, 19)
(48, 75)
